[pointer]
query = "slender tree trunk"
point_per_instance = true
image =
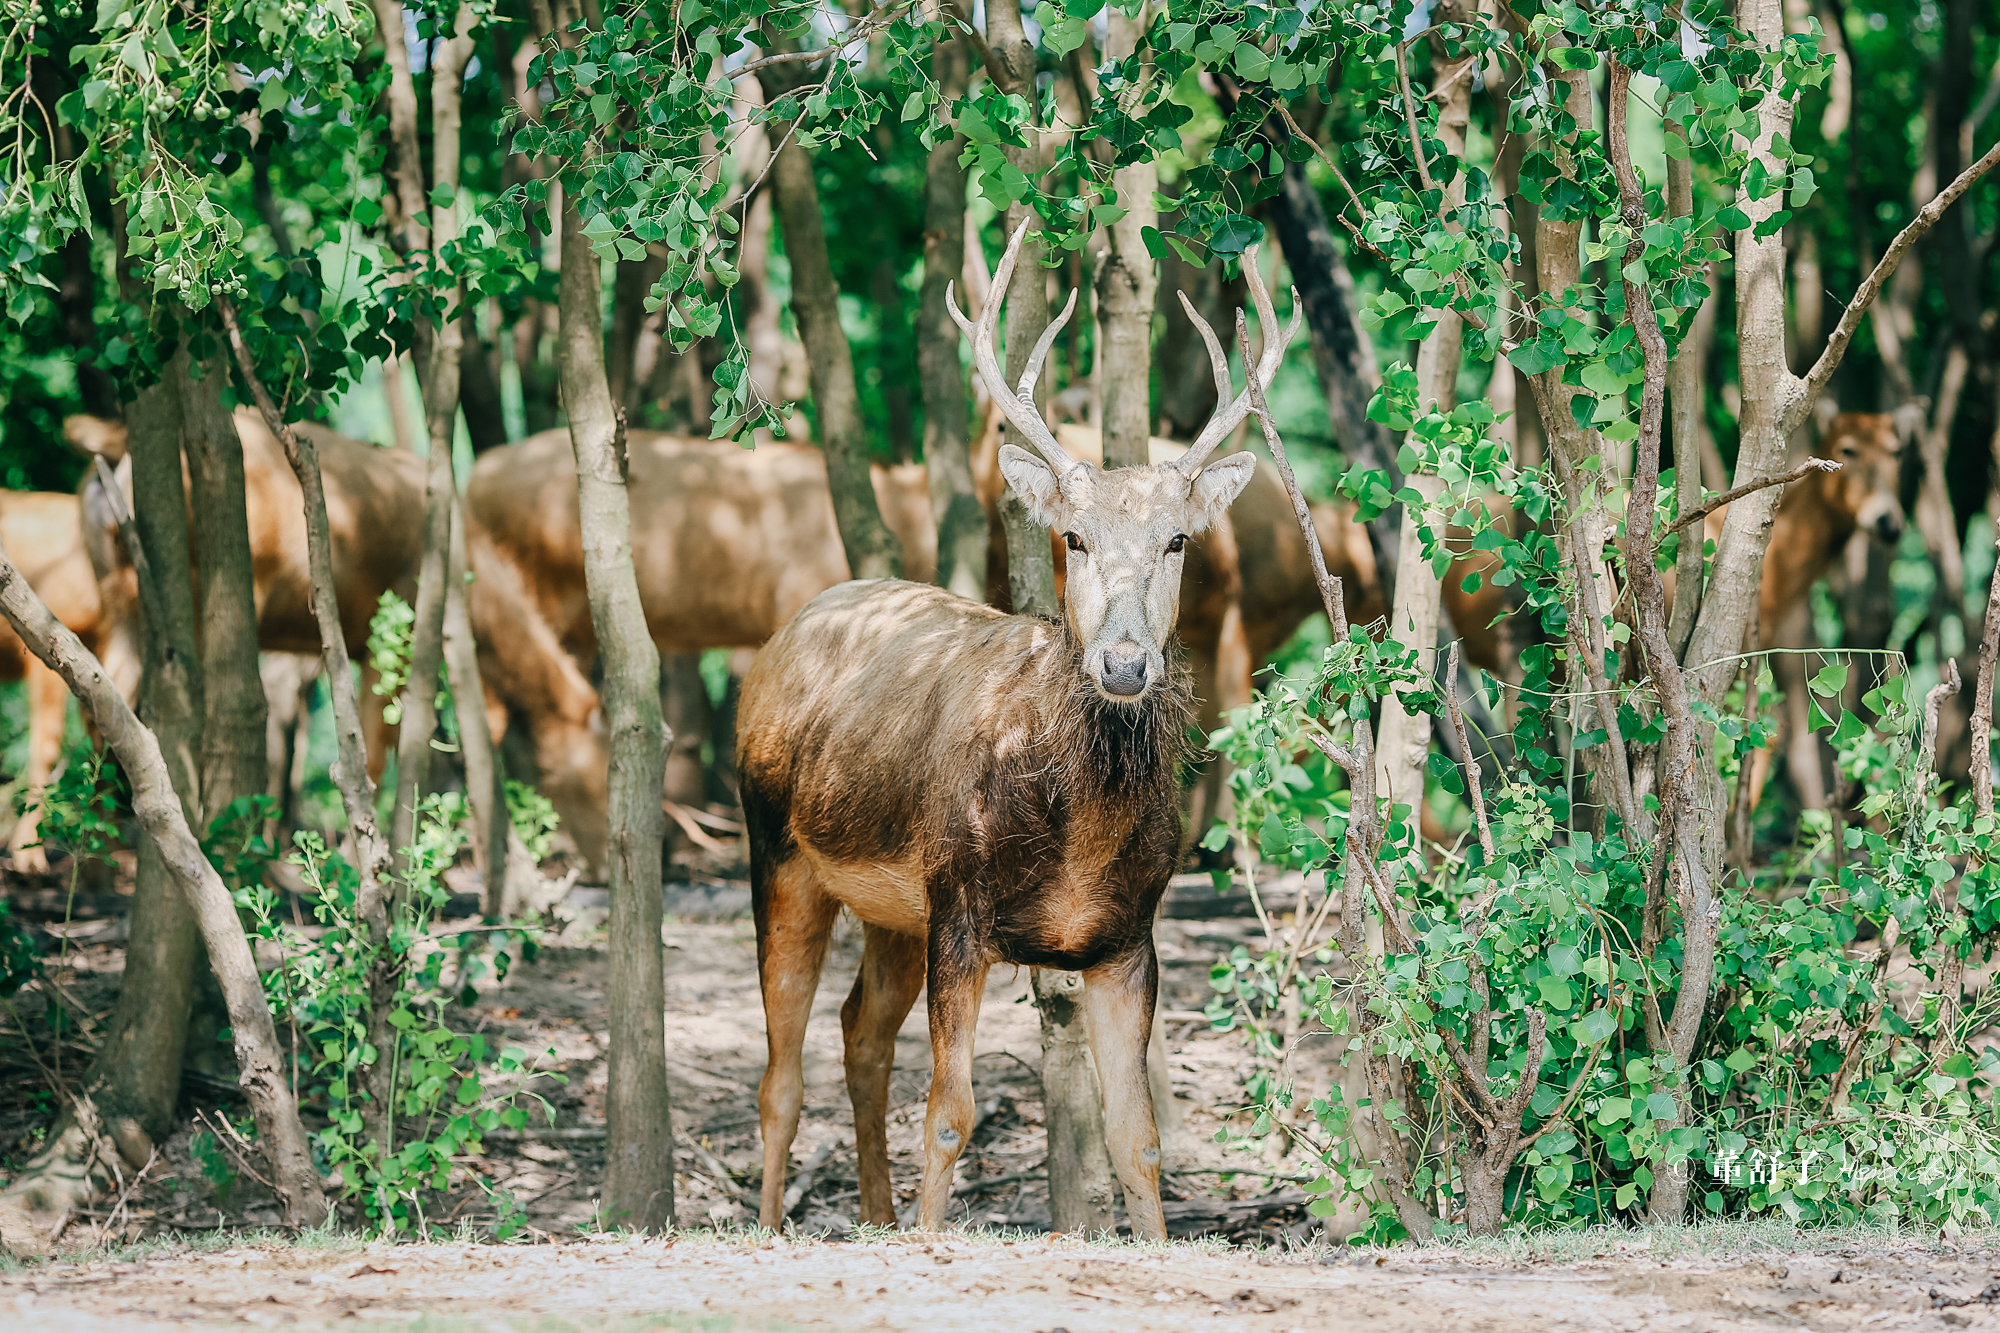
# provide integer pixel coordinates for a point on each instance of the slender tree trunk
(162, 819)
(1127, 286)
(1404, 736)
(440, 346)
(960, 518)
(479, 390)
(872, 550)
(639, 1156)
(366, 849)
(234, 753)
(484, 781)
(1081, 1183)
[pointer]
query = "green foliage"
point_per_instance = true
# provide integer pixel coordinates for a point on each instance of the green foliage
(390, 631)
(83, 803)
(446, 1088)
(20, 956)
(533, 816)
(215, 1165)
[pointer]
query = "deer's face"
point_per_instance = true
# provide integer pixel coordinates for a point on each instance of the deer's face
(1127, 531)
(1869, 484)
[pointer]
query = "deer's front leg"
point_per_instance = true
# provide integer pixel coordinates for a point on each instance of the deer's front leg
(1118, 1001)
(957, 981)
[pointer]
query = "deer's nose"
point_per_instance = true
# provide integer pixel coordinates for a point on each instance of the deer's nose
(1124, 669)
(1889, 527)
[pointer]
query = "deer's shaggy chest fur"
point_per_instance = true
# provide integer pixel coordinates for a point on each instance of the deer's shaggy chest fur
(1047, 823)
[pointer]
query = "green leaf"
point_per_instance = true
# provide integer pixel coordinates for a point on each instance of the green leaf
(1596, 1026)
(1740, 1059)
(1536, 357)
(1829, 681)
(1614, 1109)
(1555, 992)
(442, 194)
(1732, 218)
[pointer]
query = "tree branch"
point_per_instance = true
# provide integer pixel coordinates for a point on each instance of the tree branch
(1871, 287)
(350, 769)
(1703, 510)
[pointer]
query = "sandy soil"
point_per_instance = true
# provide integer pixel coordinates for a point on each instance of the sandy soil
(983, 1284)
(557, 1004)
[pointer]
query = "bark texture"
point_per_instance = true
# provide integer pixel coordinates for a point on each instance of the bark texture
(872, 550)
(1404, 736)
(961, 519)
(1127, 287)
(639, 1152)
(234, 752)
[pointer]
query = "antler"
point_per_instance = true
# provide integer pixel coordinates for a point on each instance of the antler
(1226, 418)
(1016, 404)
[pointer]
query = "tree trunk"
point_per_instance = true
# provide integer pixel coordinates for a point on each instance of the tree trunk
(960, 518)
(1342, 355)
(684, 703)
(134, 1081)
(1404, 737)
(163, 821)
(1080, 1176)
(1127, 286)
(485, 788)
(872, 550)
(234, 750)
(639, 1154)
(479, 390)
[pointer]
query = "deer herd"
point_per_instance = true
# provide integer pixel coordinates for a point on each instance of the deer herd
(976, 787)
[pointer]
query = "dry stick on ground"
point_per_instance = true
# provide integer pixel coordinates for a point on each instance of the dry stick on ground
(158, 808)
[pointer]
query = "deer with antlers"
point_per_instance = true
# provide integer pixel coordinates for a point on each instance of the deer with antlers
(980, 788)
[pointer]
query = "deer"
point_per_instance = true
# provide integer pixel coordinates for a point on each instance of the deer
(44, 533)
(374, 500)
(980, 788)
(728, 543)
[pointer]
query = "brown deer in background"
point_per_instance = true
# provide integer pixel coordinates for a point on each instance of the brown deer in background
(982, 788)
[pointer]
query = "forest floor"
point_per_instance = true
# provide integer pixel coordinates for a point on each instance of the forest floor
(553, 1005)
(1720, 1277)
(185, 1250)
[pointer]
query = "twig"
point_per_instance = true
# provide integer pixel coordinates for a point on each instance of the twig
(1465, 749)
(1734, 493)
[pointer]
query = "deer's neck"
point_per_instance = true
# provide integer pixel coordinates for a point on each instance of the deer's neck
(1108, 750)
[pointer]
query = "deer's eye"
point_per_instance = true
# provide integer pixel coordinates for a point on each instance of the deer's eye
(1850, 452)
(1178, 544)
(1074, 542)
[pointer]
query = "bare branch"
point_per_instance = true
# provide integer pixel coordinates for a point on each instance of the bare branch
(1465, 749)
(1871, 287)
(1734, 493)
(1329, 586)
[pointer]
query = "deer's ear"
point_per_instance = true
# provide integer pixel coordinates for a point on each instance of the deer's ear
(1036, 483)
(1217, 485)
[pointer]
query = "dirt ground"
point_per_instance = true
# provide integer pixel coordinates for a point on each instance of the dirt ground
(554, 1006)
(1724, 1278)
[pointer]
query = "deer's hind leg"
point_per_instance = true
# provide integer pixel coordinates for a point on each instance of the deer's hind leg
(794, 920)
(892, 972)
